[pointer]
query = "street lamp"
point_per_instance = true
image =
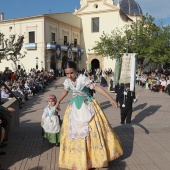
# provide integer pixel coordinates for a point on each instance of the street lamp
(36, 62)
(19, 66)
(41, 64)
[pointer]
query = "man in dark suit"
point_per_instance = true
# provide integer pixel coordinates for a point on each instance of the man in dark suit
(119, 89)
(126, 98)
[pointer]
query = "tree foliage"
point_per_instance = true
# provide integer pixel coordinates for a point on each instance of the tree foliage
(110, 45)
(150, 42)
(10, 49)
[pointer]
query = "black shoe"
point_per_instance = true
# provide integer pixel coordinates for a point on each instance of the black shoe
(6, 139)
(122, 122)
(57, 144)
(3, 145)
(2, 153)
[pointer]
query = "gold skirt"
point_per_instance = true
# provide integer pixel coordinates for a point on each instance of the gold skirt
(94, 151)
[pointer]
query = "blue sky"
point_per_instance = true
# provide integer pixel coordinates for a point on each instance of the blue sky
(159, 9)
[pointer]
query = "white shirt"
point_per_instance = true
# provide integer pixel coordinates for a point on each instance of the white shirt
(163, 83)
(4, 96)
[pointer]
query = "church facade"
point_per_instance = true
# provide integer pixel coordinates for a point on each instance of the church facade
(52, 39)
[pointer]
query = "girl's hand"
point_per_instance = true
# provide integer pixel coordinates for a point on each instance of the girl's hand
(114, 103)
(42, 123)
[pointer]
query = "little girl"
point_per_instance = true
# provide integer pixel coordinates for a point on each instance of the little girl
(50, 121)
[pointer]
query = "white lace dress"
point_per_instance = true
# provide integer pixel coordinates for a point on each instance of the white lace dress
(81, 111)
(50, 120)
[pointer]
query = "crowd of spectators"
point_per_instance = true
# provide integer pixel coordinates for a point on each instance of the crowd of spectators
(22, 86)
(155, 80)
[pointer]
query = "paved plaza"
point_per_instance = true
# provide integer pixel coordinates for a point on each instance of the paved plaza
(146, 142)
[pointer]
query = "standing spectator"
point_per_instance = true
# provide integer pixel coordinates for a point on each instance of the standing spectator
(167, 89)
(92, 91)
(163, 84)
(12, 77)
(112, 84)
(59, 72)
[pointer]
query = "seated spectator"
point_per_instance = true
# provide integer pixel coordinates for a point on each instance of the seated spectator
(33, 87)
(20, 88)
(2, 134)
(103, 82)
(4, 94)
(163, 84)
(18, 92)
(5, 119)
(14, 83)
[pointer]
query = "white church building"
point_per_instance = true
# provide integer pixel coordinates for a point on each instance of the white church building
(52, 39)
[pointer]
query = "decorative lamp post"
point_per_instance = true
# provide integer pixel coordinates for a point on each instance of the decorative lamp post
(41, 64)
(36, 62)
(19, 66)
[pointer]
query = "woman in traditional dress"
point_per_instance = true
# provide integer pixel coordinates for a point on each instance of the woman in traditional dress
(87, 139)
(103, 81)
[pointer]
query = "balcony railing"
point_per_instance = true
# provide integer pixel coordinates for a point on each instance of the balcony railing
(52, 46)
(31, 46)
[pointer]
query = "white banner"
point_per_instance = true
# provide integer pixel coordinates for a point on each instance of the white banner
(128, 69)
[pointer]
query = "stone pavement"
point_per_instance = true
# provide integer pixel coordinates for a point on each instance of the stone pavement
(146, 142)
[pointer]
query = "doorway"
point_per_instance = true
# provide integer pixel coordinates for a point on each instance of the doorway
(95, 64)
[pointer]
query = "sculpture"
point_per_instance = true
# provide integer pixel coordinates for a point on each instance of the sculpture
(83, 3)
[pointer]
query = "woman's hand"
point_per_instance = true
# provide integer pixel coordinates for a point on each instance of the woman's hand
(57, 106)
(114, 103)
(102, 91)
(10, 109)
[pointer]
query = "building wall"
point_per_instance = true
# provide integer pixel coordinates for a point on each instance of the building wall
(110, 18)
(43, 27)
(77, 26)
(61, 29)
(22, 27)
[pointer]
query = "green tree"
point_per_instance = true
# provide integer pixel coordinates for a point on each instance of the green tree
(150, 42)
(110, 45)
